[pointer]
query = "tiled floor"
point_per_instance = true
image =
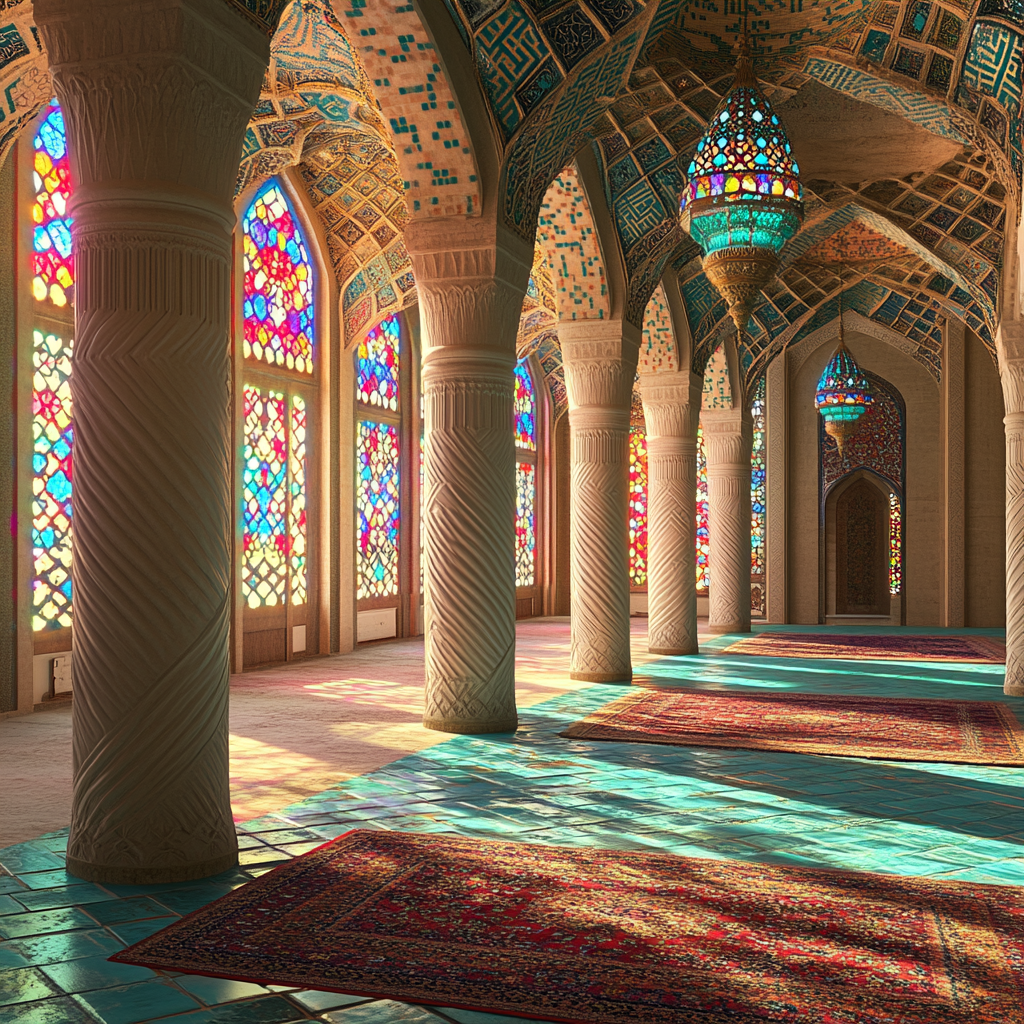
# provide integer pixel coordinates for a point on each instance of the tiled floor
(945, 821)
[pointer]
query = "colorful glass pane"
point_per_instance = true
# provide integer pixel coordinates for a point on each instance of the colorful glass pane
(278, 302)
(895, 544)
(377, 504)
(703, 568)
(377, 366)
(265, 536)
(525, 406)
(297, 500)
(637, 502)
(53, 264)
(745, 153)
(52, 453)
(526, 531)
(757, 502)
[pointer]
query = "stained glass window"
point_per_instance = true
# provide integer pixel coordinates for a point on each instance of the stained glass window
(377, 366)
(278, 303)
(525, 406)
(637, 496)
(526, 531)
(895, 544)
(703, 568)
(53, 266)
(265, 533)
(51, 481)
(297, 500)
(377, 505)
(757, 502)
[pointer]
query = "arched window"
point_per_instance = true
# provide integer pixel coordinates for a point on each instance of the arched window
(637, 494)
(53, 282)
(758, 495)
(378, 457)
(713, 392)
(278, 403)
(526, 477)
(703, 542)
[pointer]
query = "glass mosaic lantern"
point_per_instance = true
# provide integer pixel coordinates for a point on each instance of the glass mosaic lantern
(843, 395)
(743, 199)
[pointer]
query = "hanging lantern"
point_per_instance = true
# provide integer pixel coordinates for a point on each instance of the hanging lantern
(743, 199)
(843, 395)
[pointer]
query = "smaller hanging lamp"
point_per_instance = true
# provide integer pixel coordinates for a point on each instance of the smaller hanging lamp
(743, 198)
(844, 393)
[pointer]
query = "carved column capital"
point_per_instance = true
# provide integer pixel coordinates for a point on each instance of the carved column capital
(600, 358)
(671, 404)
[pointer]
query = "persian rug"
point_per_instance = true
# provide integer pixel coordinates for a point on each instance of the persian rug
(891, 728)
(987, 649)
(593, 936)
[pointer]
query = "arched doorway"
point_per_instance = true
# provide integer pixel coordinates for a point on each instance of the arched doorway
(862, 550)
(862, 511)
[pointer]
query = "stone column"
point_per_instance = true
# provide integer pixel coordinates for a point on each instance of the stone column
(156, 99)
(671, 411)
(600, 358)
(471, 282)
(1011, 373)
(728, 437)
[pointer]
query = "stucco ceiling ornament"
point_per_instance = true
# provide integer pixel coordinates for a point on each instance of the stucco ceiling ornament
(844, 392)
(743, 200)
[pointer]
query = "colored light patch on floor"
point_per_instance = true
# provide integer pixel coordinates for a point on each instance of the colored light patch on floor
(935, 820)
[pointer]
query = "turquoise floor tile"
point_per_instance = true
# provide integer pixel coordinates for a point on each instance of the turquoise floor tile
(63, 896)
(53, 949)
(131, 1004)
(478, 1017)
(60, 1010)
(94, 972)
(138, 908)
(17, 926)
(384, 1011)
(318, 1002)
(24, 985)
(268, 1010)
(211, 991)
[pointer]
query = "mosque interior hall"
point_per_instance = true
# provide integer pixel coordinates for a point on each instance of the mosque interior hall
(516, 512)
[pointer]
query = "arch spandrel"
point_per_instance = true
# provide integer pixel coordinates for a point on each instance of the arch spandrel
(567, 236)
(658, 349)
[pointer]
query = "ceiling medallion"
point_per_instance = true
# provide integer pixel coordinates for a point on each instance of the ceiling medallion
(743, 199)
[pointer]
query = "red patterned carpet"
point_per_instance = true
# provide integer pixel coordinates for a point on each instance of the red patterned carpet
(892, 728)
(987, 649)
(605, 937)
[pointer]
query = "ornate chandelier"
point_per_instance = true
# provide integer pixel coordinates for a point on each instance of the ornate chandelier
(844, 393)
(743, 199)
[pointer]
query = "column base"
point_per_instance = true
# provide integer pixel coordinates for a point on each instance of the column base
(1014, 689)
(673, 650)
(471, 726)
(124, 875)
(737, 627)
(603, 677)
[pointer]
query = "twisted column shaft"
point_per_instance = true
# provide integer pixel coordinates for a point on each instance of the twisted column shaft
(728, 437)
(671, 410)
(471, 291)
(600, 360)
(1014, 683)
(155, 114)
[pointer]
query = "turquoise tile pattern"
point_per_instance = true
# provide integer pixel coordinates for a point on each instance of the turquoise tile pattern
(942, 821)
